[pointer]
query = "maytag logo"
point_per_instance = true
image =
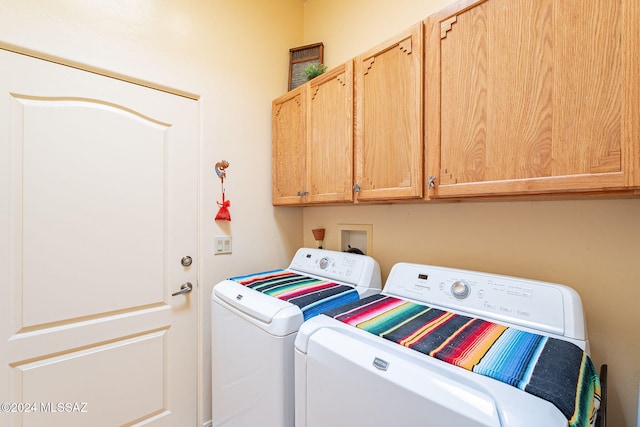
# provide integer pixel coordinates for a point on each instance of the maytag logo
(383, 365)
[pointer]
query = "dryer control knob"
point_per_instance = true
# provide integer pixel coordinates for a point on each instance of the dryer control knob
(460, 289)
(324, 263)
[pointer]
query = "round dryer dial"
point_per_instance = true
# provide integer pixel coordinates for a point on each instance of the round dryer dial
(324, 263)
(460, 289)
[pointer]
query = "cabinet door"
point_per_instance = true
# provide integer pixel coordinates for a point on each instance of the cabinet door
(389, 119)
(532, 97)
(330, 136)
(288, 147)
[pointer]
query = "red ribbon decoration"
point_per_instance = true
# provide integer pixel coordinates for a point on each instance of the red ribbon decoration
(223, 213)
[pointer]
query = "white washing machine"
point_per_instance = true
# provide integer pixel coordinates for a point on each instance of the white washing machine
(434, 348)
(254, 321)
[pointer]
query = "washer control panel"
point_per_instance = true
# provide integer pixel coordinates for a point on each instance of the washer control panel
(534, 304)
(343, 267)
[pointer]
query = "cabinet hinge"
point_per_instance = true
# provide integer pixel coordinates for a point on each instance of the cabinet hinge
(432, 182)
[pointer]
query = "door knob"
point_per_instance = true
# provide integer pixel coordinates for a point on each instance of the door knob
(186, 261)
(184, 289)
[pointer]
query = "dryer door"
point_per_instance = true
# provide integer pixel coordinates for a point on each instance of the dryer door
(353, 383)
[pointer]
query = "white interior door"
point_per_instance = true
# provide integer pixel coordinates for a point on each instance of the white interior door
(98, 205)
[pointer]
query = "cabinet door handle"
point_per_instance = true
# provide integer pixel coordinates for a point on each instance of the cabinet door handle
(356, 187)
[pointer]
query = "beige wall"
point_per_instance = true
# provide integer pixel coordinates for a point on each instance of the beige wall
(350, 27)
(591, 245)
(234, 56)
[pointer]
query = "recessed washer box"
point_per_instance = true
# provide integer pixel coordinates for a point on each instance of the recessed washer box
(356, 236)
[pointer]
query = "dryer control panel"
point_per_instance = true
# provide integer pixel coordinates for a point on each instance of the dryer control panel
(542, 306)
(347, 268)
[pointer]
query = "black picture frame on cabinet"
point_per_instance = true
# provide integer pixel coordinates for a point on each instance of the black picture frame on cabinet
(300, 58)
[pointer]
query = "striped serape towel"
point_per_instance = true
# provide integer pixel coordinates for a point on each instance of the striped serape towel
(552, 369)
(313, 296)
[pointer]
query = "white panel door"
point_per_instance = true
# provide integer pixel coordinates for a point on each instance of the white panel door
(98, 206)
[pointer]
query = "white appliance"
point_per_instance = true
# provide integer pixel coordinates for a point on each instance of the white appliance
(253, 335)
(346, 376)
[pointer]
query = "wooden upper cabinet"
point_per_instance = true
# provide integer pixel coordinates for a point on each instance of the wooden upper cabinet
(312, 141)
(389, 119)
(288, 147)
(533, 96)
(330, 136)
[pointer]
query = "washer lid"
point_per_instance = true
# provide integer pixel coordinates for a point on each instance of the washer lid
(271, 314)
(312, 295)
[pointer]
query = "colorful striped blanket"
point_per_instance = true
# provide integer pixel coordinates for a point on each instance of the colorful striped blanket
(552, 369)
(312, 296)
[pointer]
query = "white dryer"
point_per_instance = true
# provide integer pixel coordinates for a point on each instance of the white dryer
(254, 321)
(446, 347)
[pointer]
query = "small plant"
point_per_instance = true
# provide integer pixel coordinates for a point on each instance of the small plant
(314, 70)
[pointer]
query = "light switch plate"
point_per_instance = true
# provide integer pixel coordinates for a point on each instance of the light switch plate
(222, 245)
